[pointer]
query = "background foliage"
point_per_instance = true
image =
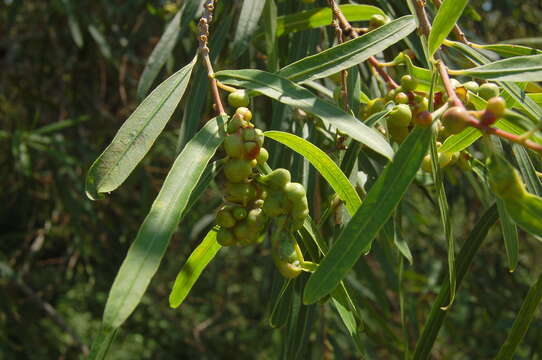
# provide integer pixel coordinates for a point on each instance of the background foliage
(69, 79)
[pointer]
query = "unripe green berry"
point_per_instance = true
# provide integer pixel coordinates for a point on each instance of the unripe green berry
(256, 219)
(239, 213)
(408, 83)
(426, 164)
(471, 86)
(274, 205)
(235, 124)
(224, 218)
(455, 119)
(295, 191)
(400, 115)
(225, 237)
(401, 98)
(244, 233)
(488, 90)
(375, 106)
(419, 104)
(240, 193)
(277, 178)
(244, 113)
(497, 105)
(377, 20)
(233, 145)
(238, 98)
(237, 170)
(262, 157)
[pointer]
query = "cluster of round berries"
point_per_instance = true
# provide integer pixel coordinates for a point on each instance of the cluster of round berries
(253, 200)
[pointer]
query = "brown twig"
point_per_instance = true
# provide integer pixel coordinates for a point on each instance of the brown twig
(340, 39)
(203, 27)
(348, 30)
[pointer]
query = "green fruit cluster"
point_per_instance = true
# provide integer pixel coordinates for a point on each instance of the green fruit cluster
(242, 219)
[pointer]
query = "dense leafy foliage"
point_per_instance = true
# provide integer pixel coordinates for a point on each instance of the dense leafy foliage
(400, 229)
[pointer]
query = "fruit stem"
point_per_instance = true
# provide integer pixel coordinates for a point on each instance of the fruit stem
(225, 87)
(203, 27)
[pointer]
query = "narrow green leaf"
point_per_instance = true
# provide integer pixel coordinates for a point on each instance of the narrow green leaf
(314, 18)
(325, 166)
(447, 16)
(516, 69)
(102, 343)
(247, 23)
(192, 269)
(381, 200)
(460, 141)
(527, 170)
(165, 46)
(521, 324)
(75, 29)
(509, 229)
(101, 41)
(153, 237)
(350, 53)
(136, 136)
(510, 236)
(526, 212)
(464, 259)
(509, 50)
(280, 310)
(288, 93)
(445, 219)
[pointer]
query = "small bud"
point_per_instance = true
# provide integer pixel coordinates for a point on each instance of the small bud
(400, 115)
(401, 98)
(238, 98)
(471, 86)
(488, 90)
(244, 113)
(423, 119)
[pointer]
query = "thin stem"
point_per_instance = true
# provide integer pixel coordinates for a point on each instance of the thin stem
(340, 38)
(348, 30)
(203, 26)
(425, 25)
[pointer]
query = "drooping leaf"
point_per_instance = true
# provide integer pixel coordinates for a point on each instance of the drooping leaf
(288, 93)
(325, 166)
(447, 16)
(314, 18)
(247, 23)
(136, 136)
(349, 53)
(148, 248)
(464, 259)
(192, 269)
(75, 29)
(378, 206)
(526, 212)
(516, 69)
(102, 43)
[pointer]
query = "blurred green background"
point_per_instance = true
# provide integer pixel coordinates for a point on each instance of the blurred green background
(68, 79)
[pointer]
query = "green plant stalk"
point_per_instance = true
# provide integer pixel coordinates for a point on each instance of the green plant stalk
(464, 259)
(522, 321)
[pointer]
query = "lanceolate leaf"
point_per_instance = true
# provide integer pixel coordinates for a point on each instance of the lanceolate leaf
(527, 212)
(136, 136)
(447, 16)
(146, 251)
(516, 69)
(191, 270)
(247, 23)
(464, 259)
(350, 53)
(373, 213)
(329, 170)
(288, 93)
(309, 19)
(509, 50)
